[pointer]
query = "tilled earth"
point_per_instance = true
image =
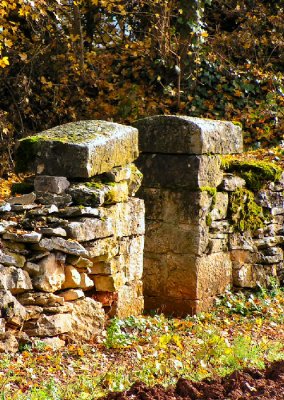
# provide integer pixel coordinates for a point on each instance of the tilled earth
(240, 385)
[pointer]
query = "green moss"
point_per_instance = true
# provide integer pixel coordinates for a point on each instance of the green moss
(22, 188)
(208, 220)
(212, 191)
(255, 173)
(244, 213)
(94, 185)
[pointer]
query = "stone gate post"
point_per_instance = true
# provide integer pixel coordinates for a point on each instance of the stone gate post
(183, 270)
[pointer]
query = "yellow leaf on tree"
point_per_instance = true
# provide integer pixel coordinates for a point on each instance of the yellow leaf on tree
(4, 62)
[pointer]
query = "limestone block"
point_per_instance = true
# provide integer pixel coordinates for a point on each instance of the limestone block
(188, 135)
(49, 325)
(40, 299)
(11, 258)
(102, 249)
(131, 257)
(72, 277)
(271, 255)
(28, 237)
(67, 307)
(78, 211)
(86, 282)
(81, 263)
(60, 244)
(175, 206)
(78, 149)
(87, 194)
(59, 200)
(216, 245)
(5, 225)
(269, 241)
(85, 229)
(51, 275)
(238, 241)
(10, 308)
(71, 294)
(129, 217)
(8, 343)
(51, 184)
(14, 279)
(24, 199)
(253, 275)
(87, 320)
(14, 247)
(129, 301)
(118, 174)
(162, 237)
(53, 231)
(192, 277)
(269, 199)
(33, 312)
(220, 208)
(155, 274)
(232, 182)
(106, 283)
(180, 171)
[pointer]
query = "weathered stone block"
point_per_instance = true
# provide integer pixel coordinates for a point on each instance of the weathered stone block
(87, 320)
(51, 184)
(105, 283)
(49, 325)
(231, 183)
(180, 171)
(71, 294)
(40, 299)
(60, 244)
(72, 278)
(129, 301)
(102, 249)
(10, 308)
(220, 208)
(85, 229)
(78, 150)
(14, 279)
(51, 275)
(188, 135)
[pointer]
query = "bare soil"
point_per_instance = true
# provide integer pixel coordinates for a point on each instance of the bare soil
(254, 384)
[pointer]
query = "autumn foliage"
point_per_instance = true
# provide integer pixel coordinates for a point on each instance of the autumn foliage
(65, 60)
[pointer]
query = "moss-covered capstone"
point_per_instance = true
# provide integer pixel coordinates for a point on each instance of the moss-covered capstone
(179, 134)
(78, 149)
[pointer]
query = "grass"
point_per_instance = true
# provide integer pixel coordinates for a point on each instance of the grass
(244, 330)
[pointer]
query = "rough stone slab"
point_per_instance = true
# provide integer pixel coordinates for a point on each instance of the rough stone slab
(51, 275)
(49, 325)
(15, 313)
(52, 199)
(25, 199)
(51, 184)
(188, 135)
(189, 172)
(231, 183)
(129, 301)
(85, 229)
(28, 237)
(78, 149)
(60, 244)
(40, 299)
(14, 279)
(71, 294)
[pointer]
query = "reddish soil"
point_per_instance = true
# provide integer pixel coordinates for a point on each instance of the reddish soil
(240, 385)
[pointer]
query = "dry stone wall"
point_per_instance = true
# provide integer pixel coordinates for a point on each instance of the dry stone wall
(72, 246)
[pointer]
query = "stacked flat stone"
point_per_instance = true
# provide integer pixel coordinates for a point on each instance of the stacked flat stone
(180, 163)
(72, 248)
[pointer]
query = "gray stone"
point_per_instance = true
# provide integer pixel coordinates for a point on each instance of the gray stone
(220, 208)
(5, 207)
(32, 269)
(24, 199)
(79, 211)
(85, 229)
(40, 299)
(10, 309)
(269, 199)
(83, 194)
(53, 231)
(27, 237)
(43, 211)
(59, 200)
(51, 184)
(232, 182)
(15, 279)
(5, 225)
(182, 171)
(49, 325)
(188, 135)
(15, 259)
(60, 244)
(78, 150)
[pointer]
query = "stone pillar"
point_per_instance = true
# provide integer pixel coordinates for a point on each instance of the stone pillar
(181, 167)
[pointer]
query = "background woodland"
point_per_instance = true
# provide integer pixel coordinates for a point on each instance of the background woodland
(120, 60)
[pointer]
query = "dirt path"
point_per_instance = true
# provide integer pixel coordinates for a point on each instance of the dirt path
(241, 385)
